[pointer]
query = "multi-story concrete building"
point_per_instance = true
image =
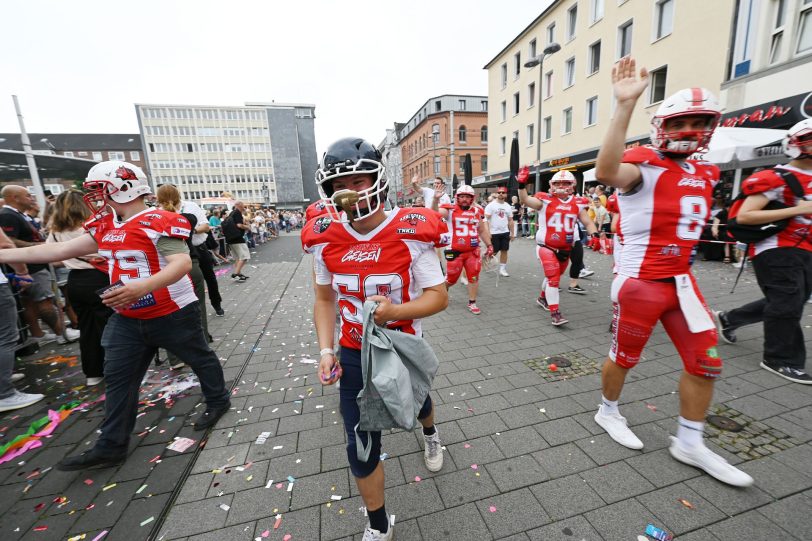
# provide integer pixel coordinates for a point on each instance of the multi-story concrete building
(86, 146)
(444, 129)
(682, 44)
(390, 150)
(260, 153)
(768, 83)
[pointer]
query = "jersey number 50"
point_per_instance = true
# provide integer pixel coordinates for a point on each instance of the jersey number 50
(350, 296)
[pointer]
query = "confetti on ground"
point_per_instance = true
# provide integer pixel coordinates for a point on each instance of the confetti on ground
(467, 445)
(224, 507)
(474, 467)
(686, 503)
(88, 482)
(287, 537)
(98, 537)
(266, 533)
(417, 479)
(335, 497)
(141, 489)
(40, 528)
(145, 522)
(181, 444)
(108, 487)
(492, 509)
(652, 407)
(277, 522)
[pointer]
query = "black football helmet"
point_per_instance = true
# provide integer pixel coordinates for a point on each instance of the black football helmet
(352, 156)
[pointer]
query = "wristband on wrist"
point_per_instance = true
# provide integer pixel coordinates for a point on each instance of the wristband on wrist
(326, 351)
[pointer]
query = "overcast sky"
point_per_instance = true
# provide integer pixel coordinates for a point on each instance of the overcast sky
(79, 66)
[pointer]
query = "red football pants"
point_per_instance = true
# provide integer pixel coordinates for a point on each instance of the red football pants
(470, 261)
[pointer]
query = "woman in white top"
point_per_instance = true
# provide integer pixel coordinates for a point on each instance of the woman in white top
(87, 275)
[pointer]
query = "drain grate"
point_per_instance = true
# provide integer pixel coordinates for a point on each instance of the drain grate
(568, 365)
(753, 440)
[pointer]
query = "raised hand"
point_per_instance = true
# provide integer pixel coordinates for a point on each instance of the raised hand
(625, 84)
(523, 176)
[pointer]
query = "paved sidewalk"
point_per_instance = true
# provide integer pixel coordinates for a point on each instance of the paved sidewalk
(524, 459)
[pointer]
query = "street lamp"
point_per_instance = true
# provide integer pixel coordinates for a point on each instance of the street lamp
(539, 61)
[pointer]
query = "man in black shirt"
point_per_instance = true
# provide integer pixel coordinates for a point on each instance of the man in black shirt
(38, 298)
(235, 238)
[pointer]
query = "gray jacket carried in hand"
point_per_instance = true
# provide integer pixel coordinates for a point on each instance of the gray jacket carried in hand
(397, 369)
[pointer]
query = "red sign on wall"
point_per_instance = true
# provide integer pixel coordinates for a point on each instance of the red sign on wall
(778, 114)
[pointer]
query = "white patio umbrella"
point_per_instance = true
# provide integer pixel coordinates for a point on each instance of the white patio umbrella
(738, 145)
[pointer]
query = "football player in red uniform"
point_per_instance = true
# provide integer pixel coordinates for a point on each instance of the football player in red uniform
(152, 295)
(467, 223)
(361, 252)
(664, 203)
(557, 214)
(783, 262)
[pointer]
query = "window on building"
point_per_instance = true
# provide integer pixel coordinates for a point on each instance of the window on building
(657, 86)
(566, 121)
(595, 10)
(438, 106)
(152, 147)
(624, 39)
(463, 105)
(436, 165)
(484, 164)
(530, 139)
(550, 33)
(515, 104)
(503, 71)
(595, 57)
(135, 155)
(663, 18)
(463, 134)
(548, 128)
(189, 147)
(517, 65)
(68, 154)
(435, 134)
(591, 116)
(483, 106)
(483, 133)
(114, 155)
(531, 95)
(805, 28)
(504, 110)
(569, 72)
(572, 20)
(532, 50)
(502, 146)
(548, 84)
(97, 156)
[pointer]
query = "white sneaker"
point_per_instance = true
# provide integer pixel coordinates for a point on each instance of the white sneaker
(615, 425)
(375, 535)
(433, 452)
(503, 272)
(71, 335)
(17, 377)
(94, 381)
(19, 400)
(585, 272)
(45, 338)
(713, 464)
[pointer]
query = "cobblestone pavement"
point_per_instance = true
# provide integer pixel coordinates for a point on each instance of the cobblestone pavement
(524, 458)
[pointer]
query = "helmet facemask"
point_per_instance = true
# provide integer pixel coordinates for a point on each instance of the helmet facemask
(95, 196)
(683, 142)
(349, 205)
(797, 140)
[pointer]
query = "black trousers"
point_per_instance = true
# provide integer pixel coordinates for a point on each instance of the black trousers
(92, 315)
(576, 259)
(207, 268)
(785, 277)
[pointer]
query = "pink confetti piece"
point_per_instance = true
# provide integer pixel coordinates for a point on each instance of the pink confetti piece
(417, 478)
(88, 482)
(98, 537)
(492, 509)
(266, 533)
(474, 467)
(287, 537)
(467, 445)
(652, 407)
(280, 485)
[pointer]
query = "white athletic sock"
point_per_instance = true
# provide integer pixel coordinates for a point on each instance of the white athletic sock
(609, 406)
(502, 266)
(689, 433)
(552, 294)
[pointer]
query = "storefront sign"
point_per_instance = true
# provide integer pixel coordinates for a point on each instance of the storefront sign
(560, 161)
(772, 150)
(778, 114)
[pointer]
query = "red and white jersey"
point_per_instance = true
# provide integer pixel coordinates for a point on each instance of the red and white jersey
(396, 259)
(315, 209)
(131, 251)
(556, 219)
(663, 217)
(464, 226)
(799, 231)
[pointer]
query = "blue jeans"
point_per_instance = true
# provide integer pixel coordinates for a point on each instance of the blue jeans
(352, 381)
(129, 347)
(9, 334)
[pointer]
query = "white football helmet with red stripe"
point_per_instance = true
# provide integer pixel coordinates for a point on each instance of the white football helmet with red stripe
(688, 102)
(797, 139)
(465, 190)
(114, 180)
(562, 184)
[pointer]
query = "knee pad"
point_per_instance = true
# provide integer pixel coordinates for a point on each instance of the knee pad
(705, 364)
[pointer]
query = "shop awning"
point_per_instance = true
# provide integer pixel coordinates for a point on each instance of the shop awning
(13, 166)
(732, 148)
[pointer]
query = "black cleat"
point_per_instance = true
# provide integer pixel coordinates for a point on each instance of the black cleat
(89, 459)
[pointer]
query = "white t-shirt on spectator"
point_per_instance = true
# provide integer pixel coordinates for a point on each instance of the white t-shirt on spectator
(190, 207)
(428, 198)
(497, 215)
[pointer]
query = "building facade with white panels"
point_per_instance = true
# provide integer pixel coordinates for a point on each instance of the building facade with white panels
(260, 153)
(682, 43)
